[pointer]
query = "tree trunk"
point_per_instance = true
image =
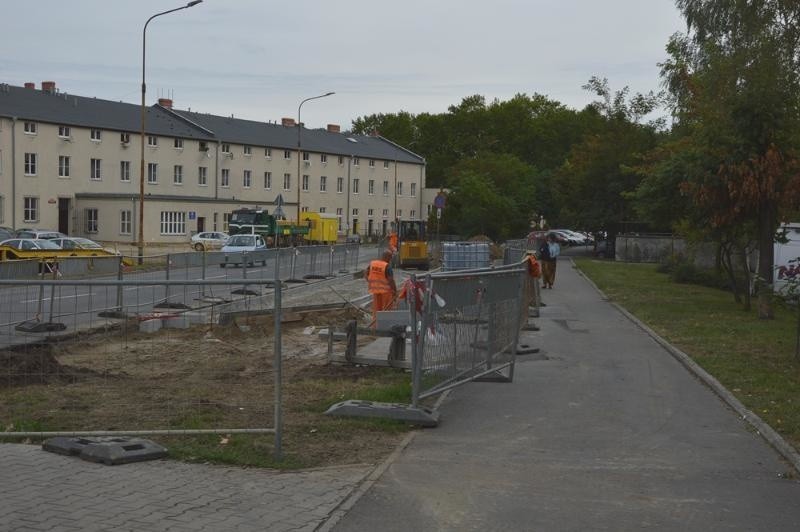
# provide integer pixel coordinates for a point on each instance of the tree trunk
(726, 263)
(746, 270)
(767, 223)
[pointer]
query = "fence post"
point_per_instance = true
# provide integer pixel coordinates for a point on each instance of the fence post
(120, 273)
(203, 273)
(330, 263)
(416, 366)
(166, 288)
(277, 363)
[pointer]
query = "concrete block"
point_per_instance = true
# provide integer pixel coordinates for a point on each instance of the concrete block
(176, 322)
(150, 326)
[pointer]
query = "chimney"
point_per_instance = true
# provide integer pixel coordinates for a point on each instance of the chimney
(165, 102)
(30, 85)
(334, 128)
(49, 86)
(288, 122)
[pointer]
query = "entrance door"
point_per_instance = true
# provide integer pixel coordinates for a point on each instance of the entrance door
(63, 215)
(355, 226)
(383, 227)
(201, 224)
(370, 227)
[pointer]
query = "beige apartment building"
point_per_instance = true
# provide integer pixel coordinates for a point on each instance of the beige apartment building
(72, 163)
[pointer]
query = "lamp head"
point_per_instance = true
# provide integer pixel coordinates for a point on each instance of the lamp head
(194, 3)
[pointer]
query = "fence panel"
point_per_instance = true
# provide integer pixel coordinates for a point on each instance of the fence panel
(151, 372)
(469, 328)
(19, 269)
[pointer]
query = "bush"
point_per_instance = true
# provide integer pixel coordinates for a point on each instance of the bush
(681, 270)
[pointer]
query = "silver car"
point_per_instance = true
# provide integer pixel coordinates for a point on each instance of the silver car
(209, 240)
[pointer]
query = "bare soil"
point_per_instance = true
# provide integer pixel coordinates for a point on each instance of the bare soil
(203, 377)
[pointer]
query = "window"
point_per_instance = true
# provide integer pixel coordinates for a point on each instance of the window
(173, 223)
(125, 138)
(323, 183)
(152, 141)
(225, 180)
(371, 187)
(226, 148)
(355, 212)
(96, 135)
(30, 128)
(125, 225)
(372, 163)
(64, 132)
(202, 176)
(152, 173)
(287, 181)
(322, 209)
(268, 153)
(306, 157)
(178, 144)
(386, 164)
(413, 213)
(369, 212)
(226, 220)
(341, 160)
(355, 161)
(399, 213)
(323, 158)
(287, 154)
(202, 146)
(96, 169)
(355, 186)
(385, 213)
(2, 209)
(339, 211)
(63, 166)
(413, 190)
(385, 188)
(339, 184)
(305, 183)
(247, 179)
(30, 212)
(177, 175)
(248, 150)
(399, 188)
(91, 220)
(30, 164)
(216, 220)
(304, 209)
(268, 180)
(124, 170)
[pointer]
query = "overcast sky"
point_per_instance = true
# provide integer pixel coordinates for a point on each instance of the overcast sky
(258, 59)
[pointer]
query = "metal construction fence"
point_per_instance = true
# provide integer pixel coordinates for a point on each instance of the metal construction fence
(469, 327)
(300, 262)
(65, 371)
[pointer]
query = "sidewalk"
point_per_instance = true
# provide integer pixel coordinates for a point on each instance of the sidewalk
(603, 430)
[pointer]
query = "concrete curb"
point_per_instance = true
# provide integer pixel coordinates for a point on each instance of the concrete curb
(762, 428)
(347, 504)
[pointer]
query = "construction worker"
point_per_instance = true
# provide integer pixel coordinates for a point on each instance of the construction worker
(393, 241)
(380, 279)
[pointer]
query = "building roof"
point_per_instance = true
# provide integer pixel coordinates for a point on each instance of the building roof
(71, 110)
(80, 111)
(250, 132)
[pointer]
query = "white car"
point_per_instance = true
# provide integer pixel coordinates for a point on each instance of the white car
(209, 240)
(237, 245)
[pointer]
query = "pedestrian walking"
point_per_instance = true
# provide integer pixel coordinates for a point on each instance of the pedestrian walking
(549, 250)
(380, 280)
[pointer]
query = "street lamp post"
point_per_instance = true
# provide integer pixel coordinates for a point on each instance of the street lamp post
(141, 158)
(299, 155)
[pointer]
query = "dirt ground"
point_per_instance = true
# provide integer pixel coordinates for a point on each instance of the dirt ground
(209, 376)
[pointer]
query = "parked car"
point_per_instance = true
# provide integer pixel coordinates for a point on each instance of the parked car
(238, 244)
(77, 242)
(39, 234)
(6, 233)
(209, 240)
(29, 244)
(355, 238)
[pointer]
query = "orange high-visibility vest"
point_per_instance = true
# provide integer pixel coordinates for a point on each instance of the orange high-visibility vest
(376, 277)
(393, 240)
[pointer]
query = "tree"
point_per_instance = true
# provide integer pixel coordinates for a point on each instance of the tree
(733, 81)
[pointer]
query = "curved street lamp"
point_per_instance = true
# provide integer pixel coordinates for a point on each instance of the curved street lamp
(299, 155)
(141, 158)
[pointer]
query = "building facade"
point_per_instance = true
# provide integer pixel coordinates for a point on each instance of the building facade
(72, 163)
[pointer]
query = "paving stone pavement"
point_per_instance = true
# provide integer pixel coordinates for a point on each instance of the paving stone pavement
(45, 491)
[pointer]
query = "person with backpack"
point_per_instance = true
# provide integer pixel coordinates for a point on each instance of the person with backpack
(549, 250)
